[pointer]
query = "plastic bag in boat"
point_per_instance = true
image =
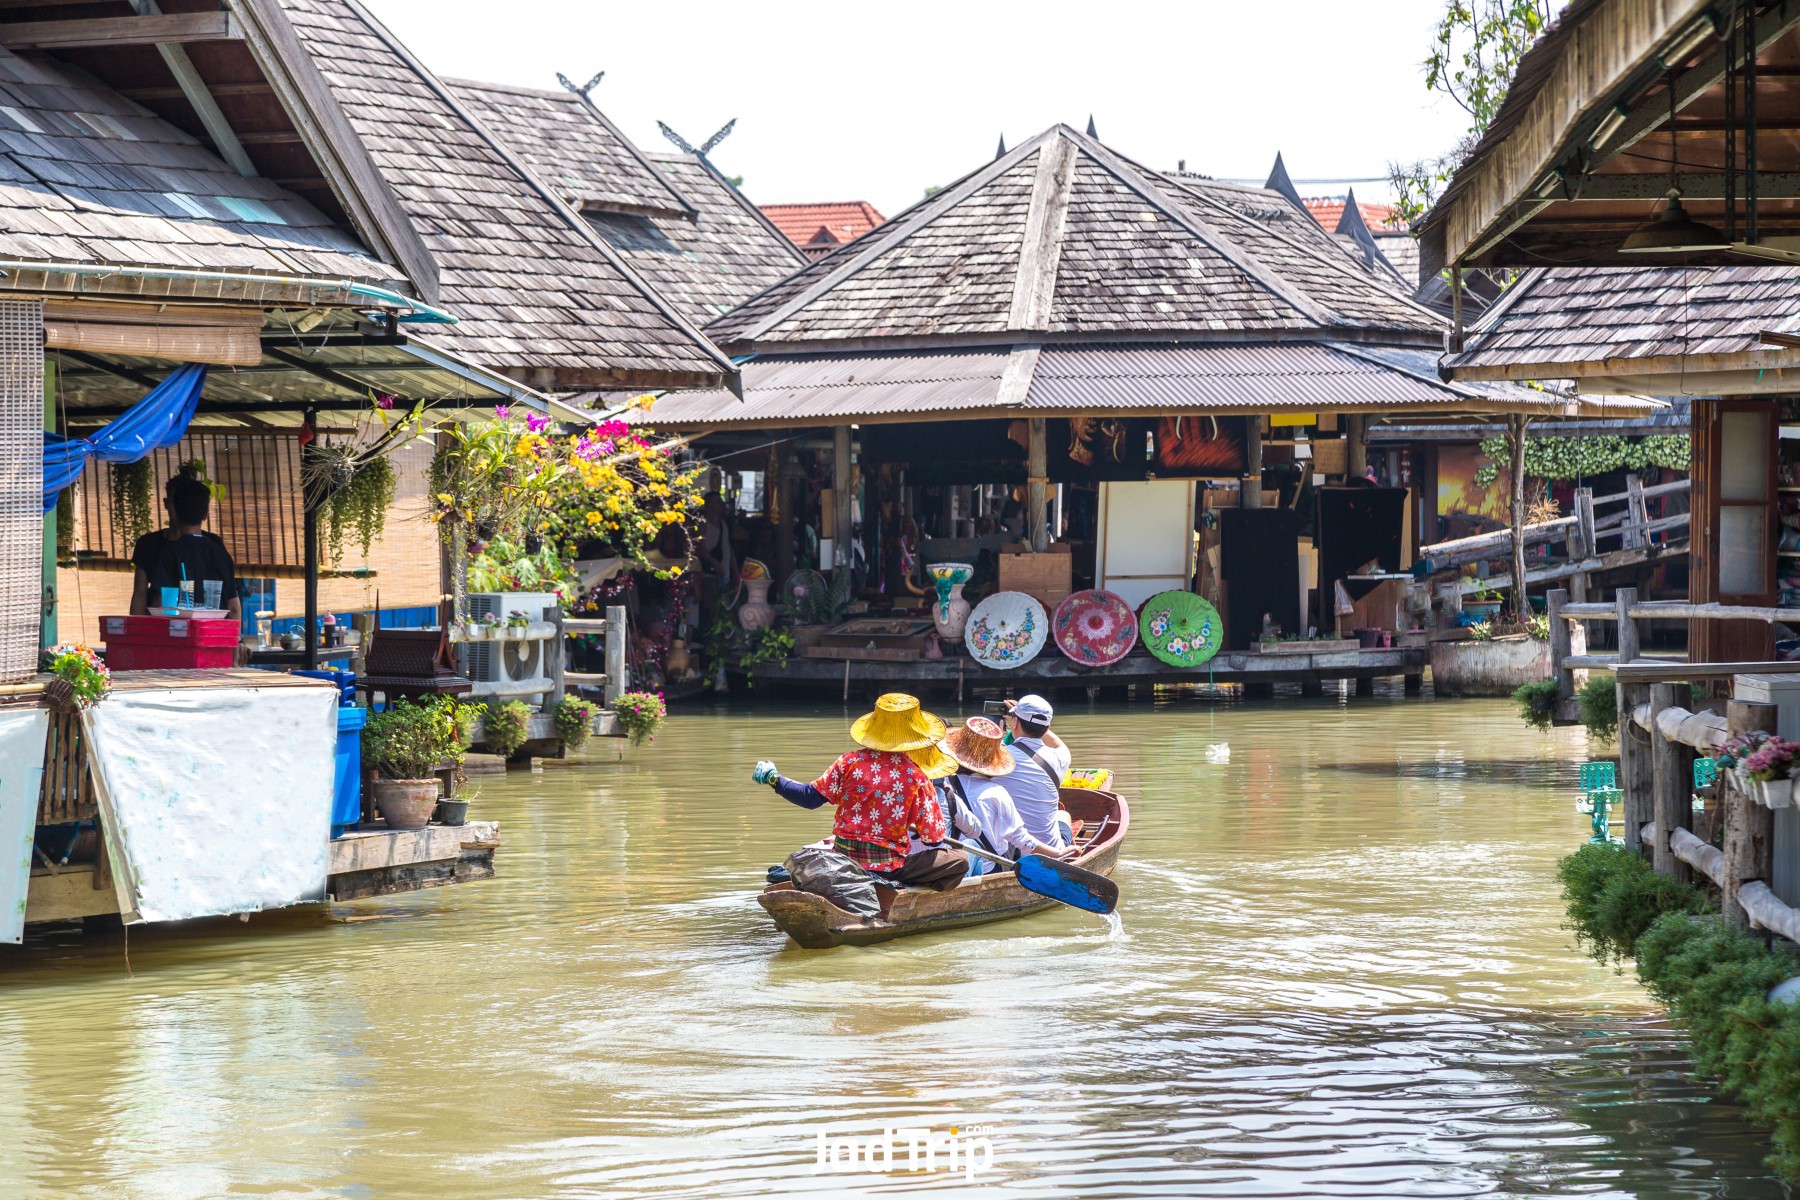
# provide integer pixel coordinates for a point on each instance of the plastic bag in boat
(834, 876)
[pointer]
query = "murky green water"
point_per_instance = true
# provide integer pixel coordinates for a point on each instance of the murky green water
(1341, 975)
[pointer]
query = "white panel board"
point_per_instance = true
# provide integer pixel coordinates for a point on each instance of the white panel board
(22, 732)
(215, 800)
(1146, 538)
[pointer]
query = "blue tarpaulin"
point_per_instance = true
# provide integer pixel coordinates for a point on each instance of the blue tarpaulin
(157, 421)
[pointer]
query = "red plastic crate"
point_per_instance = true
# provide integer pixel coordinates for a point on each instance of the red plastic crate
(169, 643)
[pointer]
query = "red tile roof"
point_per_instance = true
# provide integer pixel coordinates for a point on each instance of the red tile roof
(1330, 209)
(819, 228)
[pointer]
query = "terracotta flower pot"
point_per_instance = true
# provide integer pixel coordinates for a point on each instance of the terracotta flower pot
(406, 803)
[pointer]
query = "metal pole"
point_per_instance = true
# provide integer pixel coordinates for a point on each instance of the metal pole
(840, 497)
(310, 553)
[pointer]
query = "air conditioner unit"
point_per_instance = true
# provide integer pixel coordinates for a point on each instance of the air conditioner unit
(510, 668)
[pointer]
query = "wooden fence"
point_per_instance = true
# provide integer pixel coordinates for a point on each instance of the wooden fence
(1573, 544)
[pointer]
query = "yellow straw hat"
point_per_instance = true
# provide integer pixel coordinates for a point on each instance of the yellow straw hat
(934, 762)
(898, 723)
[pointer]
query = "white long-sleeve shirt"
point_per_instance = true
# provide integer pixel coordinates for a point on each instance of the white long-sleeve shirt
(991, 805)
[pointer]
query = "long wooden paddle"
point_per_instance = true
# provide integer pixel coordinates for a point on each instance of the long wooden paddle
(1058, 880)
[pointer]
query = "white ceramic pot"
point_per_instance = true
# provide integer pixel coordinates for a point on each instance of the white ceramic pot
(756, 612)
(1776, 793)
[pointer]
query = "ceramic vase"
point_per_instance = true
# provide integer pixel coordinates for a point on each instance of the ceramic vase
(951, 612)
(679, 663)
(756, 612)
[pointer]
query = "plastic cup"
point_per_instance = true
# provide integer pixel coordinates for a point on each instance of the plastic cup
(187, 593)
(171, 597)
(212, 588)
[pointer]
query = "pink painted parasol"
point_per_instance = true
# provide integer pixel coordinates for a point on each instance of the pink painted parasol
(1095, 628)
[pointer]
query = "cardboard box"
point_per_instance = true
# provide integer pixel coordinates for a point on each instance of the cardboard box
(1046, 578)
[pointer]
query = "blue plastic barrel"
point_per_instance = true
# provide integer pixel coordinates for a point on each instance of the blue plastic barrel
(346, 795)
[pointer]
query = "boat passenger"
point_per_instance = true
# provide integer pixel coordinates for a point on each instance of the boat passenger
(1043, 759)
(183, 551)
(984, 810)
(882, 797)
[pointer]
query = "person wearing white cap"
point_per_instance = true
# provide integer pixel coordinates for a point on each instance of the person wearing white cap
(1043, 759)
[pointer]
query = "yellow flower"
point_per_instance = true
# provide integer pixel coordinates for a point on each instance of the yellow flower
(593, 518)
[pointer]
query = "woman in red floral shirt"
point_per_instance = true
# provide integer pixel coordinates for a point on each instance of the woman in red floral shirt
(881, 794)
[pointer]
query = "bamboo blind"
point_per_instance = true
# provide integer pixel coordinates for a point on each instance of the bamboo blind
(258, 516)
(21, 486)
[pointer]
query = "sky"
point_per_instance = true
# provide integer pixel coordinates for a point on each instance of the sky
(878, 102)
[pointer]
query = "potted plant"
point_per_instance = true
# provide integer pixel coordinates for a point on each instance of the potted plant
(1771, 767)
(575, 720)
(640, 715)
(517, 623)
(1482, 606)
(406, 744)
(507, 727)
(1537, 703)
(82, 680)
(453, 811)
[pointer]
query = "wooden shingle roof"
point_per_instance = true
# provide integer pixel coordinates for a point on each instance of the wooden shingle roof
(673, 218)
(539, 293)
(1063, 236)
(1565, 322)
(571, 146)
(87, 176)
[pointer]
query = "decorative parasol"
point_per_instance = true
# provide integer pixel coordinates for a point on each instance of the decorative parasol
(1094, 628)
(1006, 630)
(1180, 628)
(753, 568)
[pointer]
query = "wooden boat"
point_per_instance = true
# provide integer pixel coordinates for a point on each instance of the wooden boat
(817, 924)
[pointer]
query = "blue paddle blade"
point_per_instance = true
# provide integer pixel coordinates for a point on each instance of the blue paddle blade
(1068, 883)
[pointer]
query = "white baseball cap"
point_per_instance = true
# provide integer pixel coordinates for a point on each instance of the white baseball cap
(1033, 708)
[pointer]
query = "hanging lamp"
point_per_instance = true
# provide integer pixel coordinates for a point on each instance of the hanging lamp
(1672, 231)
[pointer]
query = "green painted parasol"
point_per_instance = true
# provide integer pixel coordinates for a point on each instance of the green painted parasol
(1180, 628)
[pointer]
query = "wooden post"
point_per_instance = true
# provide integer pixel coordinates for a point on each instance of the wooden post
(615, 652)
(1250, 495)
(783, 511)
(1629, 648)
(1037, 477)
(1749, 827)
(1637, 514)
(840, 497)
(1356, 452)
(1559, 645)
(1521, 598)
(1672, 768)
(1449, 604)
(1635, 775)
(1580, 545)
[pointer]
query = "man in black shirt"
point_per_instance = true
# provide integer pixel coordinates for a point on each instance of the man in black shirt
(161, 557)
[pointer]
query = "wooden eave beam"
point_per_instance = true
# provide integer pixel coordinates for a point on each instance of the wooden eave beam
(1664, 364)
(199, 98)
(1780, 185)
(94, 33)
(1463, 233)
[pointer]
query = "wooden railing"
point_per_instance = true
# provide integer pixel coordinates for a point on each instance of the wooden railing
(66, 793)
(1580, 537)
(1657, 747)
(612, 629)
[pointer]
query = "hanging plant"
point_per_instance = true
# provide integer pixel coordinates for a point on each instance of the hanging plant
(508, 726)
(1584, 457)
(359, 507)
(575, 720)
(131, 505)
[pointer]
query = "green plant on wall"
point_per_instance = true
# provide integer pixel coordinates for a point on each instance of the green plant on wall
(1598, 701)
(507, 728)
(359, 508)
(1585, 457)
(1537, 702)
(132, 507)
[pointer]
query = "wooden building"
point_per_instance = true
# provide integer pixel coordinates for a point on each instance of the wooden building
(1647, 150)
(276, 189)
(1063, 321)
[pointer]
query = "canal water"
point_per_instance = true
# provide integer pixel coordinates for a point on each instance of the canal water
(1341, 973)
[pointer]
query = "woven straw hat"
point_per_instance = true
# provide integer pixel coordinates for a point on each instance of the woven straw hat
(934, 762)
(898, 723)
(978, 748)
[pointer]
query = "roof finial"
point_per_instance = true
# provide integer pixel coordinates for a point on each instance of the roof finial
(705, 148)
(1351, 225)
(1279, 182)
(1000, 152)
(1091, 131)
(583, 89)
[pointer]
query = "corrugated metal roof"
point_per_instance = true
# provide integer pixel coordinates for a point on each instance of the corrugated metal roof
(1260, 377)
